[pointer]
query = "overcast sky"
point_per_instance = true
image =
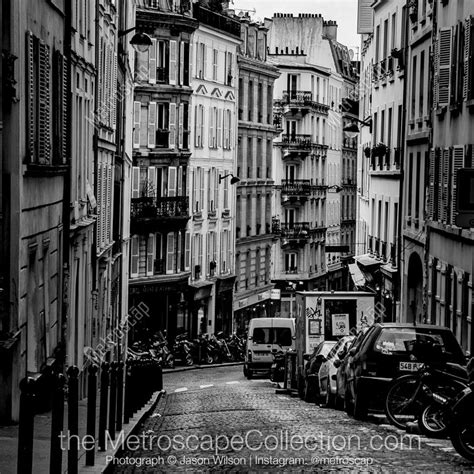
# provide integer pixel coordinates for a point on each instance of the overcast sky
(343, 11)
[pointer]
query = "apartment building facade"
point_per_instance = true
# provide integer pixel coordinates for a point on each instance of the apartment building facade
(256, 132)
(214, 81)
(380, 157)
(301, 99)
(419, 102)
(160, 241)
(450, 251)
(33, 157)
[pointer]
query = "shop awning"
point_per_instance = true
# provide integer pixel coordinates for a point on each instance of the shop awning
(357, 276)
(367, 260)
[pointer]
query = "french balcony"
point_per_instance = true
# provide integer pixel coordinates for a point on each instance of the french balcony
(296, 103)
(294, 191)
(295, 145)
(149, 213)
(292, 234)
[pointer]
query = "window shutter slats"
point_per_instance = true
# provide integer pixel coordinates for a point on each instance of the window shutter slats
(211, 128)
(136, 124)
(172, 126)
(445, 58)
(44, 105)
(172, 171)
(173, 62)
(134, 256)
(152, 124)
(431, 190)
(113, 105)
(31, 99)
(180, 126)
(181, 62)
(152, 57)
(467, 54)
(150, 254)
(135, 182)
(187, 251)
(180, 181)
(219, 128)
(458, 163)
(170, 252)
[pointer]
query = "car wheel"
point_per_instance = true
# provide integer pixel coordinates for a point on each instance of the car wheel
(329, 396)
(360, 404)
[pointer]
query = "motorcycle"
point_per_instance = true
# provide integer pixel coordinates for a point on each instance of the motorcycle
(182, 350)
(224, 348)
(201, 350)
(237, 347)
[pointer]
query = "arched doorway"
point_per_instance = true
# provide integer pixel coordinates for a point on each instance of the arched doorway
(414, 302)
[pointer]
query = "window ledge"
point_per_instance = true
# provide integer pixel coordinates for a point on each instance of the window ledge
(38, 170)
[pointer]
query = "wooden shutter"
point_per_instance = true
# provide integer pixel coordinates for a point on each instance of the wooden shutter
(180, 126)
(445, 58)
(203, 189)
(224, 127)
(205, 68)
(179, 251)
(134, 256)
(219, 128)
(226, 191)
(196, 184)
(110, 200)
(210, 187)
(152, 56)
(137, 106)
(458, 163)
(187, 251)
(173, 62)
(229, 130)
(170, 252)
(114, 96)
(216, 189)
(172, 171)
(44, 152)
(467, 58)
(180, 181)
(152, 124)
(208, 253)
(211, 127)
(181, 62)
(135, 182)
(443, 184)
(31, 97)
(222, 252)
(172, 126)
(150, 254)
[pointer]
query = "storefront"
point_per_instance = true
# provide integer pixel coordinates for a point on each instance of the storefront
(224, 309)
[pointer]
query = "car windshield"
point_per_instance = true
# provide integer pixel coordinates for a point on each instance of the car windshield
(397, 341)
(278, 335)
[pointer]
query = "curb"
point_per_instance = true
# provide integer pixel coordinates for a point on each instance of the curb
(102, 465)
(198, 367)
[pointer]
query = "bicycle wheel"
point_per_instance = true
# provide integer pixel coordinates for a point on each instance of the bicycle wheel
(402, 404)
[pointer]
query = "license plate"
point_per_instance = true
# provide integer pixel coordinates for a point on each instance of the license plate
(410, 366)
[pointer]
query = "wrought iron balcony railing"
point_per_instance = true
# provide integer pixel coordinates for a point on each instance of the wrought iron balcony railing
(302, 97)
(161, 207)
(296, 187)
(297, 140)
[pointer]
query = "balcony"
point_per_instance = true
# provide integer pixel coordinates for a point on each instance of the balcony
(149, 213)
(295, 187)
(295, 144)
(298, 103)
(216, 20)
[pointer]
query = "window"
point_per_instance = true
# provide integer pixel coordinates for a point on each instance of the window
(260, 102)
(250, 104)
(413, 88)
(291, 262)
(394, 30)
(385, 39)
(377, 43)
(199, 126)
(229, 69)
(215, 58)
(422, 84)
(201, 60)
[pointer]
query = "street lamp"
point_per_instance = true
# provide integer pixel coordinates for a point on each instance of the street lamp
(233, 180)
(352, 130)
(336, 187)
(140, 41)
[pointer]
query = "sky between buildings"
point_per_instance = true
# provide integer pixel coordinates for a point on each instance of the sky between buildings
(343, 11)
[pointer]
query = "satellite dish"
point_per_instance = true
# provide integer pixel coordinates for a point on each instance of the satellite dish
(351, 54)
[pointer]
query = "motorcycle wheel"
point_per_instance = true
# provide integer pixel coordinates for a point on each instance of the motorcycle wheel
(399, 409)
(171, 362)
(189, 359)
(462, 437)
(208, 359)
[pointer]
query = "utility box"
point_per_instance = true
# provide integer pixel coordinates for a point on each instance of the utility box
(329, 315)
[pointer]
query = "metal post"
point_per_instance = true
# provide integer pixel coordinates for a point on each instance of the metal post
(128, 391)
(73, 418)
(104, 387)
(113, 399)
(26, 426)
(119, 396)
(57, 425)
(91, 413)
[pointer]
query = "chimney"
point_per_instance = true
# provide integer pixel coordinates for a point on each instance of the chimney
(330, 30)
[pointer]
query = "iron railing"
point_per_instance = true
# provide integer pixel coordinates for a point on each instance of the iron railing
(296, 187)
(161, 207)
(297, 140)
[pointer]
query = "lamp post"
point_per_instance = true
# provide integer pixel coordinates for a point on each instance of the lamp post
(233, 180)
(352, 130)
(140, 41)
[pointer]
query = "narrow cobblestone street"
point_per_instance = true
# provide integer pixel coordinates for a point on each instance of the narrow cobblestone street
(221, 402)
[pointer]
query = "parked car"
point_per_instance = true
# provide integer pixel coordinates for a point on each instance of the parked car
(265, 336)
(310, 389)
(328, 369)
(383, 355)
(343, 368)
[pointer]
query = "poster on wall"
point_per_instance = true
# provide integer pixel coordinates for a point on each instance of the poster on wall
(340, 324)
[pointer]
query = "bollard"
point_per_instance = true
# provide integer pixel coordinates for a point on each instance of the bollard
(119, 396)
(128, 392)
(26, 426)
(57, 424)
(73, 419)
(104, 398)
(91, 414)
(113, 399)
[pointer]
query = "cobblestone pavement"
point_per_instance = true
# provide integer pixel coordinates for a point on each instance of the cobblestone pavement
(204, 404)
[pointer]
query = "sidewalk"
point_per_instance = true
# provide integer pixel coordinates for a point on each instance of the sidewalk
(42, 444)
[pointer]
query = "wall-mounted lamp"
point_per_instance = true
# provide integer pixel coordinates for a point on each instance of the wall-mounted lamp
(352, 130)
(140, 41)
(336, 187)
(233, 180)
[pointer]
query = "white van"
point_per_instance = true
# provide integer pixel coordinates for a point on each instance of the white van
(266, 335)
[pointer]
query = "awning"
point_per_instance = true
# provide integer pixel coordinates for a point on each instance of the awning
(357, 276)
(367, 260)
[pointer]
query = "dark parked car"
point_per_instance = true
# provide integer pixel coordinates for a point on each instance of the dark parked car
(383, 355)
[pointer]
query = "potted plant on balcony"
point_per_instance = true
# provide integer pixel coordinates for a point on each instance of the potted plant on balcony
(367, 151)
(379, 150)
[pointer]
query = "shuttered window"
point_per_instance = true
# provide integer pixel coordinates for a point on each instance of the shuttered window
(152, 55)
(458, 163)
(444, 66)
(173, 63)
(172, 125)
(136, 123)
(468, 79)
(170, 252)
(135, 182)
(134, 256)
(187, 251)
(59, 108)
(219, 128)
(150, 254)
(152, 115)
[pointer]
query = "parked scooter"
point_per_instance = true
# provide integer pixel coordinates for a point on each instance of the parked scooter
(182, 350)
(277, 369)
(226, 354)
